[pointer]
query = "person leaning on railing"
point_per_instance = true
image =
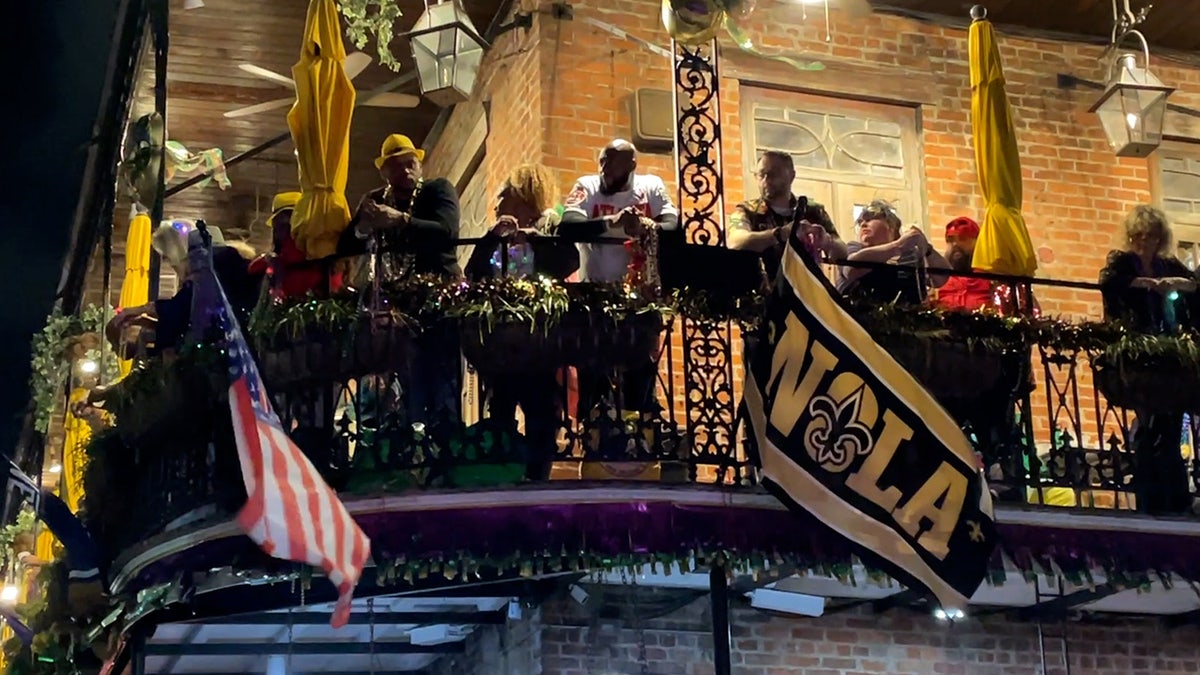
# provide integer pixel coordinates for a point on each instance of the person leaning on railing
(1153, 292)
(616, 202)
(414, 223)
(908, 256)
(763, 225)
(170, 316)
(522, 243)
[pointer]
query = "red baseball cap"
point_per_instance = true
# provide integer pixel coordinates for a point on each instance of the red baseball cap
(962, 227)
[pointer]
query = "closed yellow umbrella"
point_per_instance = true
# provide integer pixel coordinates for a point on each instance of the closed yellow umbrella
(320, 126)
(1004, 246)
(135, 289)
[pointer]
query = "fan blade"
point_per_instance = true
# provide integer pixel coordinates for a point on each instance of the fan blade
(355, 63)
(260, 107)
(268, 75)
(391, 99)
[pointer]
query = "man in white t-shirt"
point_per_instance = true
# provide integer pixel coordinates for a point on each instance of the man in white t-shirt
(626, 202)
(620, 203)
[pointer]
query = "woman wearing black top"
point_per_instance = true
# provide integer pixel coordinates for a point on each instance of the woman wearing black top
(1149, 289)
(522, 243)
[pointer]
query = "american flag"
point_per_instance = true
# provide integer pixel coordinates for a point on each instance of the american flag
(291, 512)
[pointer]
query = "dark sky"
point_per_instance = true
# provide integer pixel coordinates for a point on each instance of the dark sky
(54, 73)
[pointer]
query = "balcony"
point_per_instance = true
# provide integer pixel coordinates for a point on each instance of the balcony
(627, 448)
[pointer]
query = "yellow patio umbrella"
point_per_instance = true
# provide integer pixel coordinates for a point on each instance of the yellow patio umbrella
(135, 289)
(1004, 246)
(77, 433)
(320, 126)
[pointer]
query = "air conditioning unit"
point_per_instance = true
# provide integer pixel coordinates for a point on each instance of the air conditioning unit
(653, 119)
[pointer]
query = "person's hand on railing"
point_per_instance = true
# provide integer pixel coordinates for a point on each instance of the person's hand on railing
(1175, 284)
(631, 221)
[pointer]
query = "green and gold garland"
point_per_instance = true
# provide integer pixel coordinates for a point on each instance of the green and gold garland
(542, 303)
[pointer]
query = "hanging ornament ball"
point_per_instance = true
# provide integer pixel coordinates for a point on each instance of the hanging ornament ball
(692, 22)
(978, 13)
(739, 9)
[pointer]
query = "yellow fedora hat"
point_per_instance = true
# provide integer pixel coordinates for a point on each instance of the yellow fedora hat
(395, 146)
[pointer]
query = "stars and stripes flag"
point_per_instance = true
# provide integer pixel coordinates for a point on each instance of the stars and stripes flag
(291, 512)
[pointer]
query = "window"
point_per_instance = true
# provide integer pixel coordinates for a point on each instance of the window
(1175, 185)
(847, 153)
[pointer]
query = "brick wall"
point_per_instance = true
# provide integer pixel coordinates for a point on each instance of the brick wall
(854, 642)
(1075, 191)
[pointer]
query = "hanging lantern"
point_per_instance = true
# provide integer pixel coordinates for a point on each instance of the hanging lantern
(447, 50)
(1133, 105)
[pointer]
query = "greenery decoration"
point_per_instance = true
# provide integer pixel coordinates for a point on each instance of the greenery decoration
(63, 339)
(541, 303)
(23, 526)
(292, 319)
(467, 567)
(368, 20)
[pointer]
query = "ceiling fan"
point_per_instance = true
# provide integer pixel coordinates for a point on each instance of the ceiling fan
(354, 65)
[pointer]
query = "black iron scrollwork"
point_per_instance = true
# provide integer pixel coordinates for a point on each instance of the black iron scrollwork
(697, 96)
(707, 346)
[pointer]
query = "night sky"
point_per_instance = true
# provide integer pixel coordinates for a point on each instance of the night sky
(55, 55)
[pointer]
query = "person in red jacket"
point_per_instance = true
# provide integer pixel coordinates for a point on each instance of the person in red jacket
(963, 293)
(292, 274)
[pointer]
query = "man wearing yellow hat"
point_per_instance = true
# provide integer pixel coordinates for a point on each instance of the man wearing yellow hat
(416, 220)
(415, 223)
(292, 275)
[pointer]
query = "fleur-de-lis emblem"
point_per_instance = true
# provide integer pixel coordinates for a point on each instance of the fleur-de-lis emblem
(835, 437)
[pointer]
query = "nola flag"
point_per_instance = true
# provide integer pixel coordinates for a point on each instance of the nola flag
(291, 512)
(843, 432)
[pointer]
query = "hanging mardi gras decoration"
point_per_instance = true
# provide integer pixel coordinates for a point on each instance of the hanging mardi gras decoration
(144, 154)
(695, 22)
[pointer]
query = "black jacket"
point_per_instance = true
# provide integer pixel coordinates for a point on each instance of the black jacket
(430, 235)
(1144, 309)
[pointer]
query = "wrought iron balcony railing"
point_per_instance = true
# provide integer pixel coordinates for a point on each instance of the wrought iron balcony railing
(595, 382)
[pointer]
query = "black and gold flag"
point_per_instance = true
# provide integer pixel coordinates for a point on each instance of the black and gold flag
(844, 432)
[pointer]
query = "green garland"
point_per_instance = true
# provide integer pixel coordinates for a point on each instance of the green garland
(24, 525)
(426, 300)
(1112, 342)
(368, 20)
(51, 360)
(542, 303)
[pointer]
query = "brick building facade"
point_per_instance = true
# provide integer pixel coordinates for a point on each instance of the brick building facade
(559, 92)
(564, 639)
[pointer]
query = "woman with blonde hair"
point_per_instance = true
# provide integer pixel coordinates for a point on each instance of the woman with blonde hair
(525, 213)
(1142, 282)
(1146, 287)
(522, 243)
